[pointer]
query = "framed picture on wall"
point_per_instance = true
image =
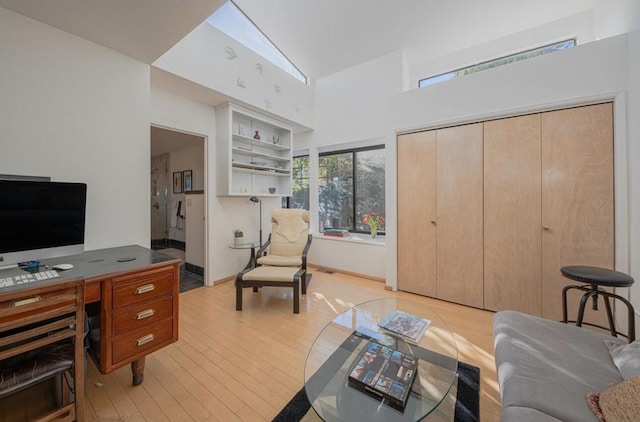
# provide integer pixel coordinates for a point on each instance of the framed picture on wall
(187, 179)
(177, 182)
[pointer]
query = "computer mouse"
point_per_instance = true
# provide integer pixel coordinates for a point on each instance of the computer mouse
(62, 267)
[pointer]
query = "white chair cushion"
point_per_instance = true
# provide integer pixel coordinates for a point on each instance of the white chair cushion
(280, 261)
(271, 274)
(289, 232)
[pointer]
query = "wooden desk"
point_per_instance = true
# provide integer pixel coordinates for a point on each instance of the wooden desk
(136, 301)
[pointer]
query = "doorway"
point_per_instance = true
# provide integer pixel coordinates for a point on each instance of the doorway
(177, 201)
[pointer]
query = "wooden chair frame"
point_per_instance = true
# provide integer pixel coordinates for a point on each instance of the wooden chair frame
(300, 279)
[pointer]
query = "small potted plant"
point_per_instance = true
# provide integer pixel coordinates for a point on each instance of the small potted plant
(238, 237)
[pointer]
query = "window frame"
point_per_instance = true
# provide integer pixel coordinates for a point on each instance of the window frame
(286, 201)
(354, 173)
(454, 73)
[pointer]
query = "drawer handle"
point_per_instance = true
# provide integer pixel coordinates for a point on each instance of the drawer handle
(27, 301)
(145, 314)
(145, 289)
(145, 339)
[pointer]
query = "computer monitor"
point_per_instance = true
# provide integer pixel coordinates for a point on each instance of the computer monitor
(40, 220)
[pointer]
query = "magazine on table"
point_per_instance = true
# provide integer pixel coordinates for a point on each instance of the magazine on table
(408, 326)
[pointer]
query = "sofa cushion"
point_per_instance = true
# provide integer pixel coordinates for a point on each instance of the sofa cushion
(550, 366)
(626, 357)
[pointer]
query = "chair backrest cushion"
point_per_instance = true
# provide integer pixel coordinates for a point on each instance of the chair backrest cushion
(289, 232)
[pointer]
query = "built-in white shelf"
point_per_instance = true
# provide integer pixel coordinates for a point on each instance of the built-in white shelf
(247, 166)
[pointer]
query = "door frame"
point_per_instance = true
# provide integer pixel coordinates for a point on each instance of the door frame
(205, 139)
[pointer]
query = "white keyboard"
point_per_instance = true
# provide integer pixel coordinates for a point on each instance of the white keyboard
(17, 280)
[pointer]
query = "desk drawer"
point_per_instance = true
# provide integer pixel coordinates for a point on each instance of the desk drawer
(146, 339)
(142, 288)
(35, 300)
(140, 315)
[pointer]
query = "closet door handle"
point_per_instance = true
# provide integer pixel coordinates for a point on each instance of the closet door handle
(546, 228)
(433, 222)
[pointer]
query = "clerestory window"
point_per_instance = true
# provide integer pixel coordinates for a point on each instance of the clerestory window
(233, 22)
(563, 45)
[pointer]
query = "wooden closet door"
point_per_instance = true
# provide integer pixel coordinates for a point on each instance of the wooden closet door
(512, 220)
(459, 215)
(416, 211)
(577, 201)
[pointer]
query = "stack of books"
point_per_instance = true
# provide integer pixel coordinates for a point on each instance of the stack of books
(385, 374)
(336, 232)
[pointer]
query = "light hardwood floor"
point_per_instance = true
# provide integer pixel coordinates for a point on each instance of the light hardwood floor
(245, 366)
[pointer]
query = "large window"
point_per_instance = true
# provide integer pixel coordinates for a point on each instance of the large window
(351, 184)
(233, 22)
(498, 62)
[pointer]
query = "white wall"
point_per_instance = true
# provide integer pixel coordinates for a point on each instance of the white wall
(352, 105)
(364, 256)
(615, 17)
(210, 67)
(604, 69)
(579, 26)
(591, 69)
(76, 111)
(195, 229)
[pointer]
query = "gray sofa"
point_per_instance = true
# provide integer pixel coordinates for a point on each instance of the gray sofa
(546, 368)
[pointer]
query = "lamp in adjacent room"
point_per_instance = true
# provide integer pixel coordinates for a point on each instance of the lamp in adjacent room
(255, 199)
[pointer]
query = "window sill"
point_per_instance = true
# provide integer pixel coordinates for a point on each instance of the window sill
(354, 238)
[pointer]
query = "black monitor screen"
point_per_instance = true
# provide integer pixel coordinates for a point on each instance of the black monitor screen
(40, 215)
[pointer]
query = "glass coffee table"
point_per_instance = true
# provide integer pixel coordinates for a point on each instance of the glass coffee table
(342, 343)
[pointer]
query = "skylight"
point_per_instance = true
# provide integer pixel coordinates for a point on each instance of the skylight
(498, 62)
(233, 22)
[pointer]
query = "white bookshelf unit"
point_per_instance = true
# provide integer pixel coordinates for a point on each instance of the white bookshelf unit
(247, 166)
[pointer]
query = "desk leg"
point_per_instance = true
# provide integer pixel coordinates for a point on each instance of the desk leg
(137, 370)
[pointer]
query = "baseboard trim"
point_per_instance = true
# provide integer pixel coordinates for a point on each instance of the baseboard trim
(224, 280)
(337, 270)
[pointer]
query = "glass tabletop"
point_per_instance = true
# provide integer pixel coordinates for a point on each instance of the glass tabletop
(341, 345)
(247, 245)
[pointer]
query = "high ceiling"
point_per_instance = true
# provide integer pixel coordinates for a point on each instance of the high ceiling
(320, 36)
(325, 36)
(143, 29)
